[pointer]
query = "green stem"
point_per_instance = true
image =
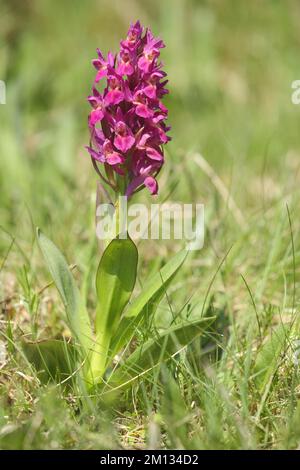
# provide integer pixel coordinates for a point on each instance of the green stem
(99, 358)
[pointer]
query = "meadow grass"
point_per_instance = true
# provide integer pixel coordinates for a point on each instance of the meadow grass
(235, 148)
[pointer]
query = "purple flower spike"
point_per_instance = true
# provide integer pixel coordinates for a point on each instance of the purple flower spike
(128, 120)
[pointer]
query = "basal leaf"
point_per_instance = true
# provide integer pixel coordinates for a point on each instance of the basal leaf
(77, 315)
(161, 348)
(54, 360)
(156, 283)
(268, 357)
(115, 281)
(144, 306)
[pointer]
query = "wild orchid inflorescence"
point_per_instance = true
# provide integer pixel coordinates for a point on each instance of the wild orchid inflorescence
(127, 124)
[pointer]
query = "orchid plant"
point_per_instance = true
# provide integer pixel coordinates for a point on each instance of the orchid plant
(128, 130)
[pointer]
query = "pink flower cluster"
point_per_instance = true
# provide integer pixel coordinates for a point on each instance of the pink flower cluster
(127, 122)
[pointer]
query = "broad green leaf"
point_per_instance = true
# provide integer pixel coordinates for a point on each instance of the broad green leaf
(161, 348)
(129, 325)
(54, 360)
(115, 281)
(268, 357)
(144, 306)
(77, 315)
(156, 283)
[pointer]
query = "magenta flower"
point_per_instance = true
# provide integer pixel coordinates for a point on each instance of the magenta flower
(101, 65)
(104, 151)
(96, 101)
(150, 52)
(124, 139)
(128, 120)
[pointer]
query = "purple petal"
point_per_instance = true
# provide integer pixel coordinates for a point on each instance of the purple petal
(110, 59)
(93, 101)
(143, 140)
(163, 136)
(100, 55)
(154, 154)
(98, 136)
(158, 118)
(150, 91)
(100, 74)
(151, 184)
(114, 158)
(97, 63)
(143, 111)
(95, 155)
(125, 68)
(95, 116)
(128, 95)
(163, 108)
(124, 143)
(144, 64)
(114, 97)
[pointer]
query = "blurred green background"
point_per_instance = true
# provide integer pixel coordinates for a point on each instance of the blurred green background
(230, 67)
